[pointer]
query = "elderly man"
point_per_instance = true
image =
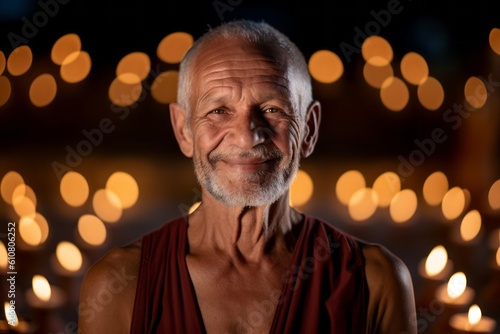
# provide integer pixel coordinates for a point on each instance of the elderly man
(245, 261)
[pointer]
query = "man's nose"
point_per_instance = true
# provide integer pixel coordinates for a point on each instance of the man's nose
(251, 129)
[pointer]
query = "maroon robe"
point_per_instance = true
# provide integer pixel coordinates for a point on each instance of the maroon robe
(324, 290)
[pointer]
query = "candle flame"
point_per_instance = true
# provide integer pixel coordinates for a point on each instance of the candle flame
(474, 314)
(436, 261)
(41, 287)
(10, 314)
(457, 285)
(69, 256)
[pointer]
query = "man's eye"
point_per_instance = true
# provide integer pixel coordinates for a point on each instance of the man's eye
(217, 111)
(271, 110)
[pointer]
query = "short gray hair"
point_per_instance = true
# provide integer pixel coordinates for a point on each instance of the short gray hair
(259, 33)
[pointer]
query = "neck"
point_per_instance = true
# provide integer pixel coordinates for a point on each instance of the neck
(248, 233)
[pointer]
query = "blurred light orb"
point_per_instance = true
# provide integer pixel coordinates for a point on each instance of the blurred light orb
(69, 256)
(125, 90)
(20, 60)
(5, 90)
(43, 225)
(376, 75)
(387, 185)
(23, 190)
(430, 93)
(377, 51)
(414, 68)
(494, 40)
(325, 66)
(4, 257)
(174, 46)
(76, 67)
(164, 87)
(30, 231)
(347, 184)
(436, 261)
(363, 204)
(301, 189)
(107, 205)
(65, 46)
(470, 226)
(9, 183)
(24, 206)
(394, 94)
(403, 206)
(3, 62)
(453, 203)
(435, 187)
(92, 230)
(494, 195)
(475, 92)
(137, 63)
(125, 187)
(74, 189)
(41, 287)
(43, 90)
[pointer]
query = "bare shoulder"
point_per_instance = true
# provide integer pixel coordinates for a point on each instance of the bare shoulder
(108, 291)
(391, 306)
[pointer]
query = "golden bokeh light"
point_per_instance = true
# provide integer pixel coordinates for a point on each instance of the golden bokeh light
(194, 207)
(494, 40)
(4, 258)
(137, 63)
(386, 186)
(347, 184)
(394, 94)
(20, 60)
(453, 203)
(92, 230)
(9, 183)
(125, 187)
(470, 226)
(363, 204)
(377, 51)
(430, 93)
(66, 45)
(107, 205)
(23, 190)
(435, 187)
(403, 206)
(41, 287)
(301, 189)
(122, 92)
(43, 225)
(457, 285)
(325, 66)
(376, 75)
(474, 315)
(76, 67)
(69, 256)
(164, 87)
(414, 68)
(74, 189)
(5, 90)
(475, 92)
(43, 90)
(174, 46)
(494, 195)
(498, 256)
(30, 231)
(10, 313)
(3, 62)
(436, 261)
(24, 206)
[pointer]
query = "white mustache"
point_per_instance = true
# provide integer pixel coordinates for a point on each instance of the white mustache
(259, 152)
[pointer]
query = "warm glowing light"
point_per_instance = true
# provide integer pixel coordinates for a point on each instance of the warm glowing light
(325, 66)
(10, 314)
(394, 94)
(403, 206)
(435, 187)
(164, 87)
(453, 203)
(24, 206)
(494, 39)
(74, 189)
(302, 189)
(471, 225)
(23, 190)
(363, 204)
(65, 46)
(194, 207)
(386, 186)
(107, 205)
(475, 92)
(20, 60)
(9, 183)
(30, 231)
(3, 62)
(498, 256)
(347, 184)
(436, 261)
(43, 90)
(494, 195)
(5, 90)
(41, 287)
(43, 225)
(69, 256)
(92, 230)
(456, 285)
(377, 51)
(414, 68)
(474, 315)
(3, 256)
(125, 187)
(430, 93)
(174, 46)
(137, 63)
(76, 67)
(122, 93)
(376, 75)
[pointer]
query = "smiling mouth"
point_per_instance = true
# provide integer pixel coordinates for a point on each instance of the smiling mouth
(249, 165)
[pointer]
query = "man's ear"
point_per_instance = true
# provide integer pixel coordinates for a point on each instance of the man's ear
(311, 129)
(178, 117)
